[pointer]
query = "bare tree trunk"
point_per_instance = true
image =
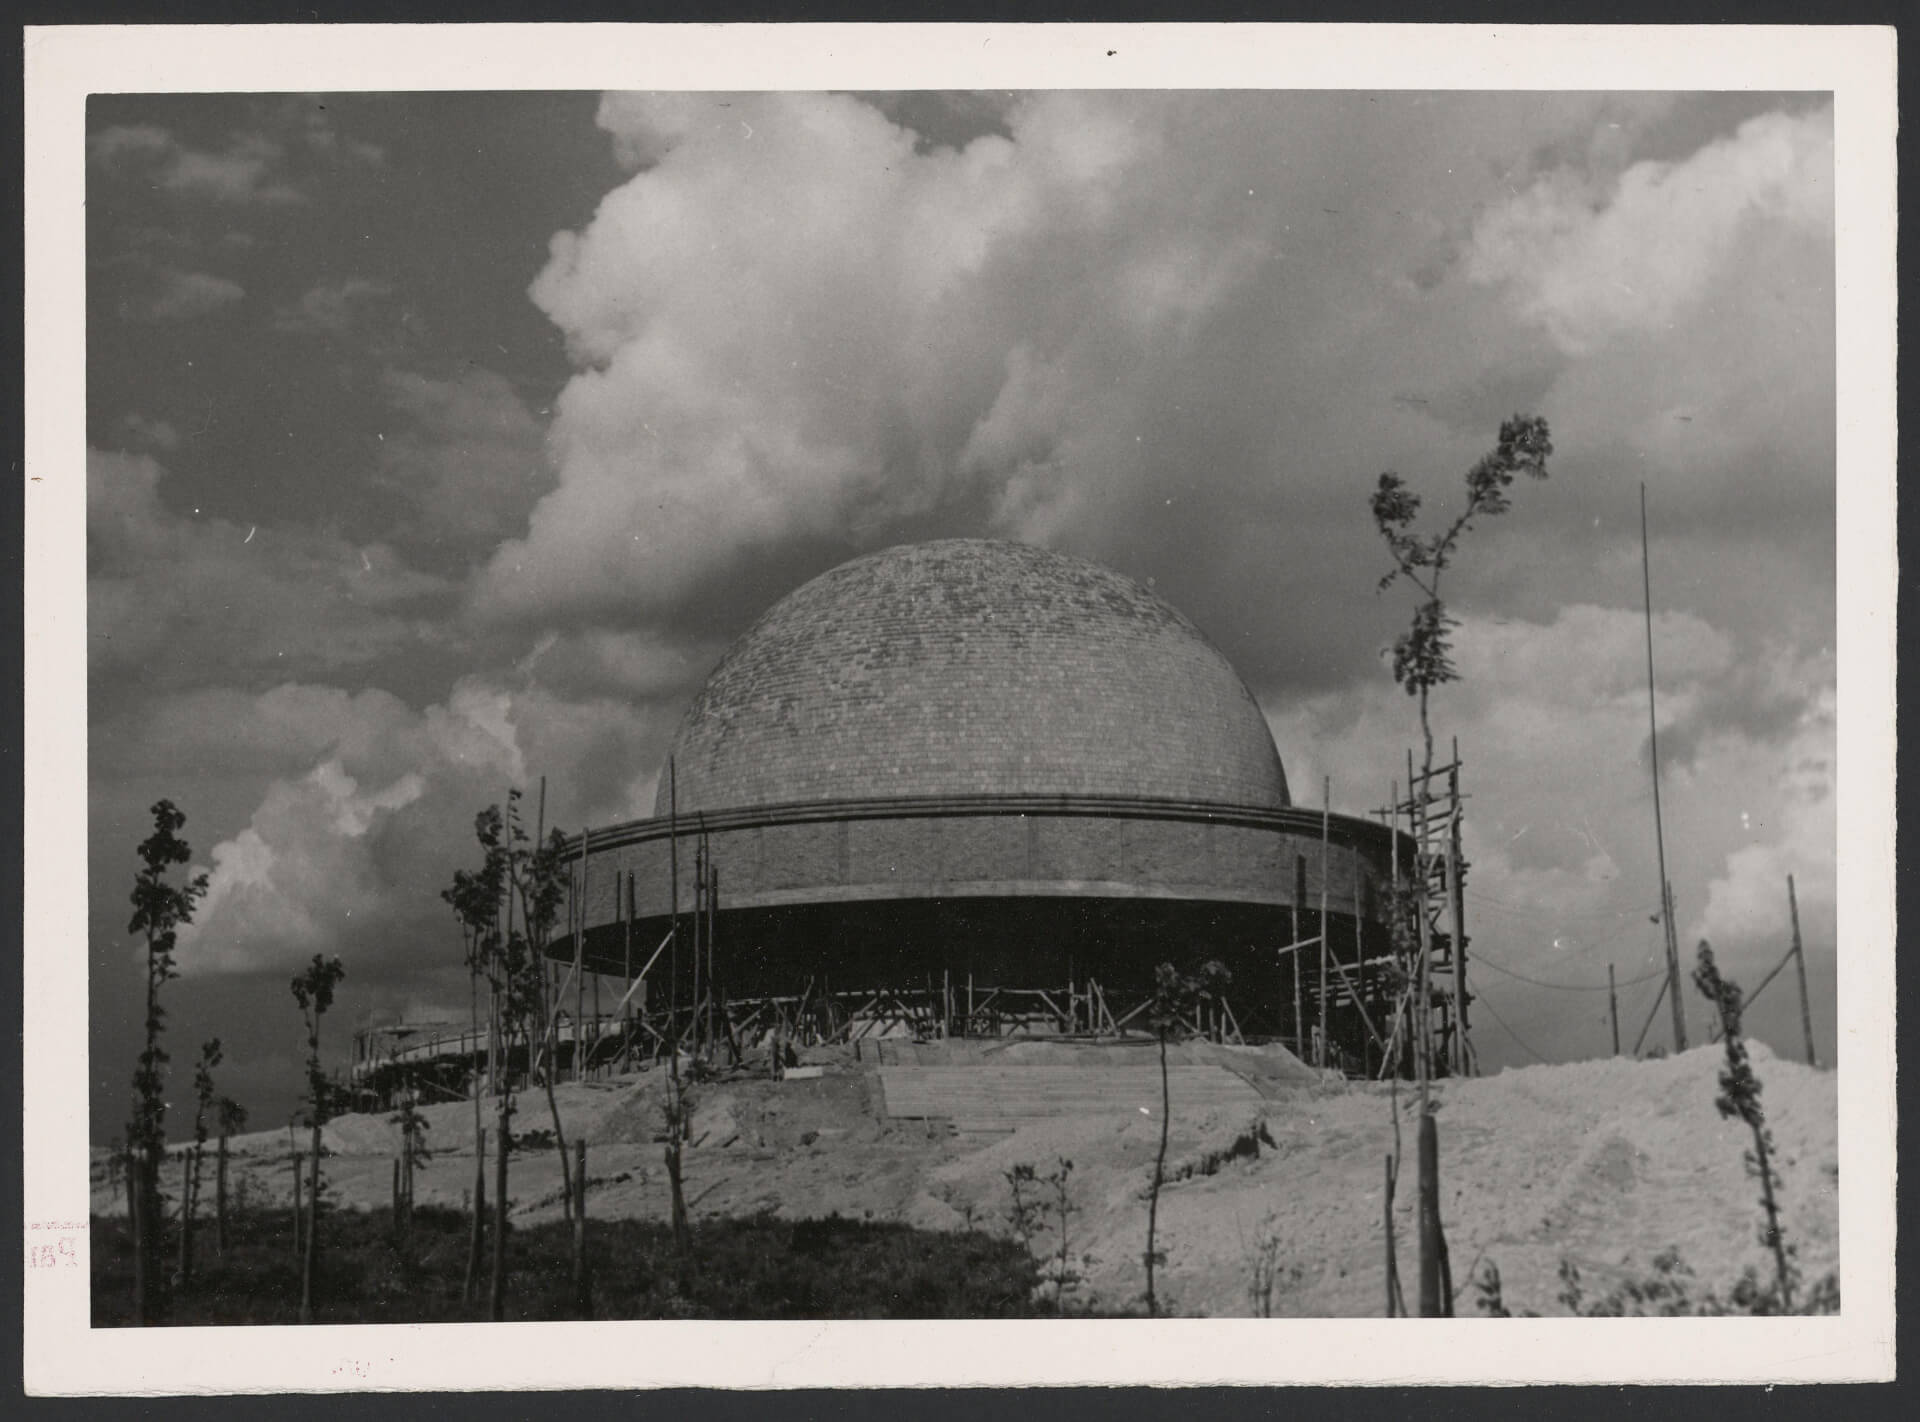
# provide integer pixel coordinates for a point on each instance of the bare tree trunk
(220, 1197)
(1159, 1174)
(310, 1256)
(497, 1292)
(1393, 1268)
(185, 1266)
(1775, 1241)
(137, 1213)
(559, 1135)
(676, 1131)
(582, 1280)
(1432, 1243)
(1434, 1299)
(476, 1237)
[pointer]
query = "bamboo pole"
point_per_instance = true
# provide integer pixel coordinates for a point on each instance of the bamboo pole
(1326, 830)
(1456, 895)
(713, 924)
(699, 936)
(673, 921)
(1360, 969)
(1293, 965)
(580, 967)
(1658, 998)
(1659, 830)
(1800, 968)
(1386, 1212)
(626, 980)
(1393, 841)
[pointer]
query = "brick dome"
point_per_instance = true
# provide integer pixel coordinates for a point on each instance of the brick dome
(971, 667)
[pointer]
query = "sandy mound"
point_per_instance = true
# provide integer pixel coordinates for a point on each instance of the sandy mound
(1605, 1163)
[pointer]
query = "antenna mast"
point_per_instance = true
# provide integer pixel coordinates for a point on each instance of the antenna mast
(1659, 832)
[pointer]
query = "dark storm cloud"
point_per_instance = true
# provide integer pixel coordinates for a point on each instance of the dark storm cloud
(176, 599)
(466, 453)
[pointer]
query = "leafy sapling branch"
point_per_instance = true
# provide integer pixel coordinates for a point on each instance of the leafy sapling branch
(1039, 1204)
(313, 990)
(1177, 999)
(160, 909)
(1740, 1097)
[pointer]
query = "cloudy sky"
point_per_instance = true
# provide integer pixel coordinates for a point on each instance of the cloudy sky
(441, 442)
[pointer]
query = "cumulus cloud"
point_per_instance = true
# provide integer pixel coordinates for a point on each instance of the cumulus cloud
(348, 856)
(181, 296)
(330, 307)
(246, 171)
(1136, 326)
(796, 322)
(178, 597)
(154, 434)
(1552, 723)
(1588, 266)
(467, 454)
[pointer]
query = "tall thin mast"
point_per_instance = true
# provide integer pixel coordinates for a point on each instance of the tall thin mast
(1659, 831)
(673, 909)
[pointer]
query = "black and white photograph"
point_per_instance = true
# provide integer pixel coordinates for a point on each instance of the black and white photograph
(1258, 695)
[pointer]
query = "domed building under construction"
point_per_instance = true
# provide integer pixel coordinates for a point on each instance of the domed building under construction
(972, 787)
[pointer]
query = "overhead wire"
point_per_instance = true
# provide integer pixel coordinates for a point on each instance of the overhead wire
(1525, 1045)
(1484, 960)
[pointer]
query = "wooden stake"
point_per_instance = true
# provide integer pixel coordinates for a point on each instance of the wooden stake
(1800, 967)
(1613, 1010)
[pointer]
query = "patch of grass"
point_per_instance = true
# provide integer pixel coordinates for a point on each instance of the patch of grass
(753, 1268)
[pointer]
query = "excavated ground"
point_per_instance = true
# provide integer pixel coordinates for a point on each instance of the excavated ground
(1603, 1163)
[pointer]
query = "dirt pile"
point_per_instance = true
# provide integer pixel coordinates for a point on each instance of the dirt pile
(1605, 1163)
